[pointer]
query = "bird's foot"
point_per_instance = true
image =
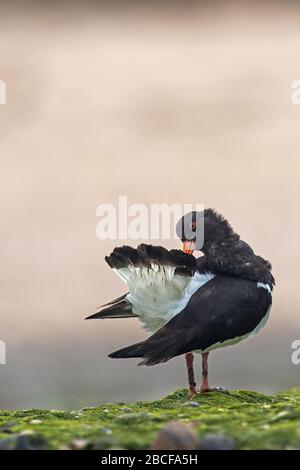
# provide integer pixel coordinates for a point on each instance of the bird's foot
(213, 389)
(192, 392)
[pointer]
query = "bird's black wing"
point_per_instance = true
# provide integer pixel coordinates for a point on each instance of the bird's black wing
(223, 309)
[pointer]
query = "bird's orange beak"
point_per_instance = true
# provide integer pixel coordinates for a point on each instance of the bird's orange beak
(188, 247)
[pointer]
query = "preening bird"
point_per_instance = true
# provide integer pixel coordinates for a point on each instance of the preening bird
(187, 304)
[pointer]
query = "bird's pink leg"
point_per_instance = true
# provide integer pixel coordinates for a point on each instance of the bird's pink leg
(204, 383)
(189, 360)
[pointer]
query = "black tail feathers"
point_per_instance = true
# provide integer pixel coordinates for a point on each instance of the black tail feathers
(121, 309)
(136, 350)
(148, 352)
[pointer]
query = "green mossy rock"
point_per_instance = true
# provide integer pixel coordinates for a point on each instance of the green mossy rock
(253, 420)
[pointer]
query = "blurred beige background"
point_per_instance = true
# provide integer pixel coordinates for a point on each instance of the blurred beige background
(188, 105)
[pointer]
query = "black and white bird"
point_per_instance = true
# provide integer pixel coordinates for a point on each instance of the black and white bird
(192, 305)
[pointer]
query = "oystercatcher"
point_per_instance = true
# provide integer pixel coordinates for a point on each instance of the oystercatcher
(192, 305)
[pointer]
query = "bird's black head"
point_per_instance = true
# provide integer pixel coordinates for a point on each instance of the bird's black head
(198, 230)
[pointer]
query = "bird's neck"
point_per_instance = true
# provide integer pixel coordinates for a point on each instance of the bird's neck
(235, 258)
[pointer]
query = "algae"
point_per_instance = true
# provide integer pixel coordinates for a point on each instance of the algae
(253, 420)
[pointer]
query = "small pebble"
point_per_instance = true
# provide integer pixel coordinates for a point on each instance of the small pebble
(79, 444)
(23, 442)
(176, 436)
(281, 414)
(28, 442)
(103, 444)
(192, 404)
(134, 416)
(7, 444)
(36, 421)
(6, 428)
(126, 410)
(216, 442)
(106, 431)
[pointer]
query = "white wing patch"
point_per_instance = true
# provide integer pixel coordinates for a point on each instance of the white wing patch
(265, 286)
(157, 294)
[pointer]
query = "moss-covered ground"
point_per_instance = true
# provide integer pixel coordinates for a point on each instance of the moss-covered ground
(253, 420)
